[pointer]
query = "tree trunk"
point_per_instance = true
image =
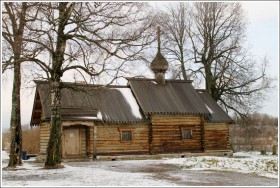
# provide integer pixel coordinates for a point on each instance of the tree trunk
(16, 134)
(183, 68)
(208, 79)
(54, 150)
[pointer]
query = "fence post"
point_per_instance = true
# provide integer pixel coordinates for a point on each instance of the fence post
(274, 150)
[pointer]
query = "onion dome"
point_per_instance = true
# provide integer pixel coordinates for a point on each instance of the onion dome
(159, 63)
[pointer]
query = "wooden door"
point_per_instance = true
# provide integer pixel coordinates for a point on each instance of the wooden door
(72, 142)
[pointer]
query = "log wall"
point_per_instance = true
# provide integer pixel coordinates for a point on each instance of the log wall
(165, 136)
(216, 136)
(109, 139)
(44, 137)
(167, 133)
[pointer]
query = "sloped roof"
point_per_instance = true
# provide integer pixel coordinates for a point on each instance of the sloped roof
(109, 104)
(217, 114)
(121, 104)
(175, 97)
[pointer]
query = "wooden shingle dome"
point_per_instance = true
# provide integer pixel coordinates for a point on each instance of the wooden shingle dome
(159, 63)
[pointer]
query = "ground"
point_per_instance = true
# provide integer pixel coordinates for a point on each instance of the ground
(244, 169)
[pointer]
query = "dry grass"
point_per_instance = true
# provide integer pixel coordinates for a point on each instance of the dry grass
(30, 139)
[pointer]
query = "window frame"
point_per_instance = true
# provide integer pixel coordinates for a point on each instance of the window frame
(182, 133)
(122, 130)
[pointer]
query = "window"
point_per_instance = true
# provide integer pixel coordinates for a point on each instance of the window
(126, 135)
(186, 133)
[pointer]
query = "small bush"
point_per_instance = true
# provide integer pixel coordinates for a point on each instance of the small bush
(263, 152)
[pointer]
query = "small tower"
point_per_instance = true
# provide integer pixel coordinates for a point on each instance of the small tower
(159, 65)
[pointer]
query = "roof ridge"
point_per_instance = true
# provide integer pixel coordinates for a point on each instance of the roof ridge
(151, 79)
(83, 84)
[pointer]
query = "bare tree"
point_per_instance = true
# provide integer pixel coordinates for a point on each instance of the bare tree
(257, 132)
(174, 24)
(213, 35)
(15, 17)
(87, 38)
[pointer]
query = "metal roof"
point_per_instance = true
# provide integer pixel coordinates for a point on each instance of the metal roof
(175, 97)
(121, 104)
(109, 104)
(217, 114)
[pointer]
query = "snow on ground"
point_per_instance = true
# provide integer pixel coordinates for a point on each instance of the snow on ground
(115, 173)
(4, 155)
(245, 162)
(78, 176)
(33, 174)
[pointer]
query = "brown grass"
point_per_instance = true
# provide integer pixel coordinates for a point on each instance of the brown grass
(30, 140)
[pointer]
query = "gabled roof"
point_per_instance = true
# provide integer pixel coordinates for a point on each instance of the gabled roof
(109, 104)
(121, 104)
(175, 97)
(217, 114)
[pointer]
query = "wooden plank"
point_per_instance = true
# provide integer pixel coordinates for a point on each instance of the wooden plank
(44, 137)
(73, 123)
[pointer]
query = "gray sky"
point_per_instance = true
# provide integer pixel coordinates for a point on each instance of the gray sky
(262, 34)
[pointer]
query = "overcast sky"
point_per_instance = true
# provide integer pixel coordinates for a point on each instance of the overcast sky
(262, 33)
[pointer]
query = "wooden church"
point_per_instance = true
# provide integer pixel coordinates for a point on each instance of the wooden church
(147, 116)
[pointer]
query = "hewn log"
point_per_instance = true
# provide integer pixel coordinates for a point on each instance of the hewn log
(216, 136)
(167, 133)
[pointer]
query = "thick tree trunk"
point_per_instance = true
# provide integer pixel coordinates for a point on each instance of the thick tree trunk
(16, 134)
(54, 150)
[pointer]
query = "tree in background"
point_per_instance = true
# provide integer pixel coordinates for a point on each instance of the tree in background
(174, 24)
(15, 18)
(257, 132)
(87, 38)
(212, 36)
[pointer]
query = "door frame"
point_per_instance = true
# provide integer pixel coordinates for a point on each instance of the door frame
(63, 140)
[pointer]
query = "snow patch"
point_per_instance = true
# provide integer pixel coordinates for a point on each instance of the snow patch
(5, 155)
(127, 94)
(263, 165)
(99, 115)
(209, 109)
